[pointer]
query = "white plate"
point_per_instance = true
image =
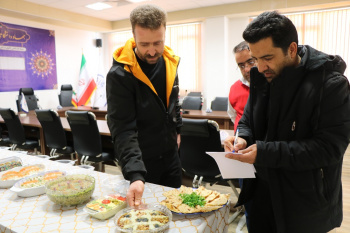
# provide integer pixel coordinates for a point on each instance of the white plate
(10, 183)
(9, 159)
(29, 192)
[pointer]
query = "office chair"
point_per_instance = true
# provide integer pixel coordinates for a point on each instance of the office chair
(195, 93)
(199, 136)
(4, 141)
(55, 135)
(65, 97)
(87, 139)
(192, 102)
(32, 100)
(219, 104)
(16, 131)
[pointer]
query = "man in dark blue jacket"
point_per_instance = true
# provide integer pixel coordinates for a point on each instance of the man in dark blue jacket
(295, 130)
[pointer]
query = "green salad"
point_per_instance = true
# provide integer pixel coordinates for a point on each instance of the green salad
(192, 199)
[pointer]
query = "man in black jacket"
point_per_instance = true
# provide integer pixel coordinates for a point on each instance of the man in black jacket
(143, 107)
(295, 130)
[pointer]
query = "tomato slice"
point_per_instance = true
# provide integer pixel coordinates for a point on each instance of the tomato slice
(106, 201)
(121, 198)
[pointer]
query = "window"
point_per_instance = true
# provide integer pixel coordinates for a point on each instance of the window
(184, 40)
(327, 31)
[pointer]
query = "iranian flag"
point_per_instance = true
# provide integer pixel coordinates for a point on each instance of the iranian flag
(86, 86)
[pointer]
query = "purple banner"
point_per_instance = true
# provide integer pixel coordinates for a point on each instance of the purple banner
(27, 58)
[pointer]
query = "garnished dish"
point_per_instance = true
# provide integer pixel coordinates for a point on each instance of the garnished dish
(107, 207)
(10, 177)
(9, 163)
(70, 190)
(187, 200)
(150, 218)
(35, 184)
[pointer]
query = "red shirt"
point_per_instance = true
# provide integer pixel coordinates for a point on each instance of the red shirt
(238, 98)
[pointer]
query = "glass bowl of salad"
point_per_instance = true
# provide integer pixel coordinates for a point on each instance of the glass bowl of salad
(70, 190)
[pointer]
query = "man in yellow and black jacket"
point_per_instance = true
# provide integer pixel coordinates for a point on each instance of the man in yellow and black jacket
(143, 106)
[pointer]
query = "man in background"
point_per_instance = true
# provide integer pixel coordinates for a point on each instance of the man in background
(295, 130)
(143, 107)
(239, 91)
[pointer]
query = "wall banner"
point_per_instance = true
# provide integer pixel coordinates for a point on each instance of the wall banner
(27, 58)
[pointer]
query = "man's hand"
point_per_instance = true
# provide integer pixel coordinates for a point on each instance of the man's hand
(135, 192)
(178, 141)
(248, 155)
(229, 141)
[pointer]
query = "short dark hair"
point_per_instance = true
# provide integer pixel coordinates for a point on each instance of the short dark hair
(148, 16)
(274, 25)
(240, 47)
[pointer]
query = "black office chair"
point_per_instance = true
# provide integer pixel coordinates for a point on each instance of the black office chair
(31, 99)
(87, 139)
(219, 104)
(195, 93)
(55, 136)
(4, 141)
(65, 97)
(192, 102)
(16, 131)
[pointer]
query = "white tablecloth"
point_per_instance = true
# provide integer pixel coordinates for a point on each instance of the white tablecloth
(39, 214)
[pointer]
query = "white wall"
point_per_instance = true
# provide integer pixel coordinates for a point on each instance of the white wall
(219, 68)
(69, 46)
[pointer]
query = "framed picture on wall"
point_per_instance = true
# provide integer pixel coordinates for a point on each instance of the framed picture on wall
(27, 58)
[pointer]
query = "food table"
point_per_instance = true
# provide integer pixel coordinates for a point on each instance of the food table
(39, 214)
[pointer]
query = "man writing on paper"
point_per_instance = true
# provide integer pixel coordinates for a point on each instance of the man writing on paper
(295, 130)
(143, 105)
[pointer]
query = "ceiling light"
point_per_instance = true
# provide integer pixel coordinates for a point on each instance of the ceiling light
(98, 6)
(136, 1)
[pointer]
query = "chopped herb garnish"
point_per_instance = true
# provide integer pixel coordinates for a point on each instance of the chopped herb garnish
(192, 199)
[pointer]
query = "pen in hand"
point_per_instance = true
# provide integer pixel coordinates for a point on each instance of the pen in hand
(236, 137)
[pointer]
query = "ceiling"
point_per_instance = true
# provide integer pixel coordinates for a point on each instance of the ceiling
(121, 8)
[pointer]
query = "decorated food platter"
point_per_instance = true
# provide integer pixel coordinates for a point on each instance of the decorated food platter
(10, 177)
(105, 207)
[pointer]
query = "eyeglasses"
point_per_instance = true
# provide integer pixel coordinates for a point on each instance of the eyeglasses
(249, 63)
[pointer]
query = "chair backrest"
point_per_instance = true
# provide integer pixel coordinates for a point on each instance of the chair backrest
(219, 104)
(31, 99)
(14, 126)
(195, 93)
(192, 102)
(86, 135)
(197, 137)
(55, 136)
(65, 97)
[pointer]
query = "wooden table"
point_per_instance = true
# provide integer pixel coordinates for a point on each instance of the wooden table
(100, 113)
(221, 117)
(39, 214)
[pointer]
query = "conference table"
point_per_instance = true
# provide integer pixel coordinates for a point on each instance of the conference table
(221, 117)
(30, 120)
(39, 214)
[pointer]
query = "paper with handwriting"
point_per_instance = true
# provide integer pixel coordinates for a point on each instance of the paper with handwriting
(232, 169)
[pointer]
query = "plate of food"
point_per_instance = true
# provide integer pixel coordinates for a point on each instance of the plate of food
(105, 207)
(9, 163)
(187, 200)
(35, 184)
(10, 177)
(146, 218)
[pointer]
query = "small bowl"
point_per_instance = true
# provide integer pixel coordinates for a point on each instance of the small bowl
(42, 156)
(150, 207)
(87, 167)
(70, 190)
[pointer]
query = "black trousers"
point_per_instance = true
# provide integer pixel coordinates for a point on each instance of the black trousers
(262, 219)
(166, 170)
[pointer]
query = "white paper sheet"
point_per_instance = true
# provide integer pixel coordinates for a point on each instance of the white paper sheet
(232, 169)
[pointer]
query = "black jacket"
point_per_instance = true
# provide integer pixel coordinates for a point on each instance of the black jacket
(142, 128)
(301, 131)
